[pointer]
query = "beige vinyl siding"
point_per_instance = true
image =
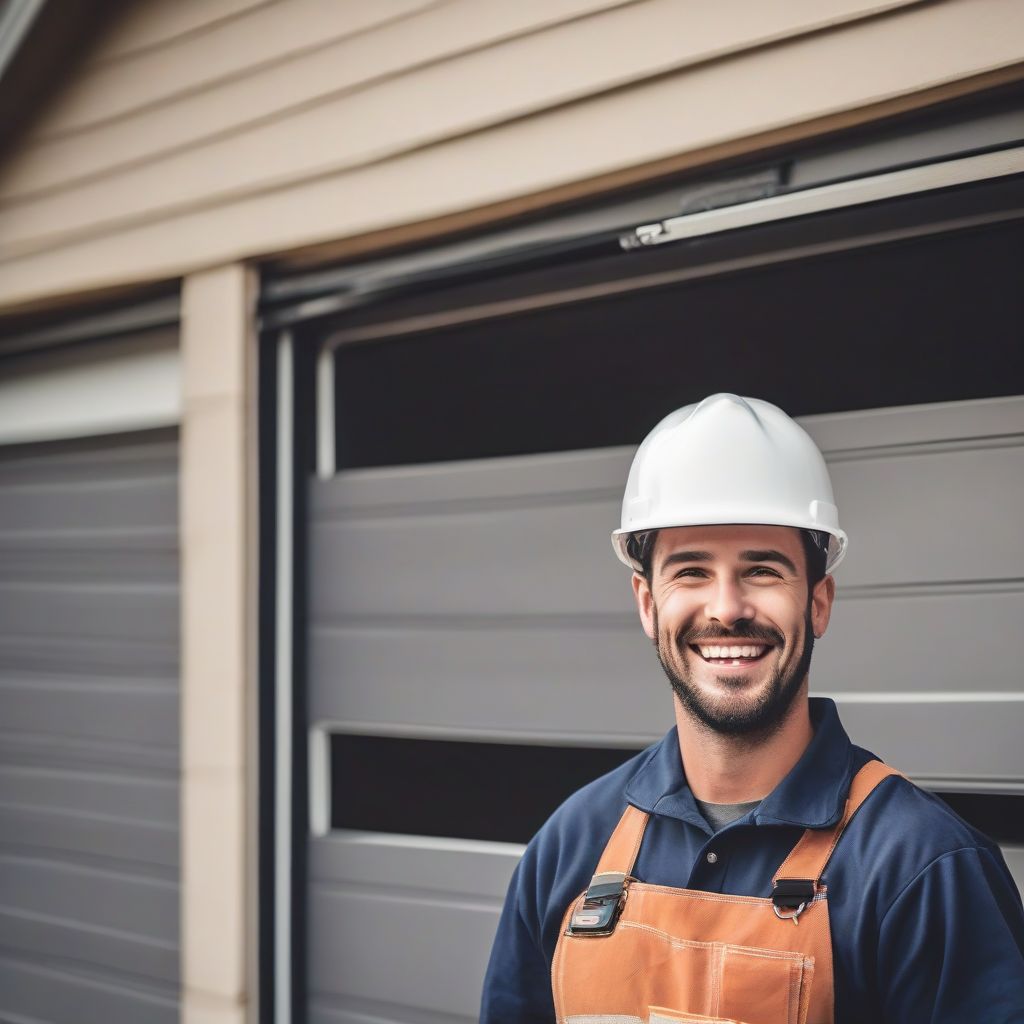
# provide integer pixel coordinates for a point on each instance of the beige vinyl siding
(207, 133)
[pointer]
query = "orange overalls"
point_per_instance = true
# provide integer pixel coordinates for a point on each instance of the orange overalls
(633, 953)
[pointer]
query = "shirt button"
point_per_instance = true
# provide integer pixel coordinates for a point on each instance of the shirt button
(712, 857)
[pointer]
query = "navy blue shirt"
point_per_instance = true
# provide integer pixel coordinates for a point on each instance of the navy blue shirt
(927, 923)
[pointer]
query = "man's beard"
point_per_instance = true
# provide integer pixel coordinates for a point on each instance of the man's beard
(757, 721)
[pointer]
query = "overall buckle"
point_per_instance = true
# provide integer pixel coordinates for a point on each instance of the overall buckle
(601, 905)
(792, 895)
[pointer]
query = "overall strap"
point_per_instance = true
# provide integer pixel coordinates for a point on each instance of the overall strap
(620, 854)
(602, 903)
(807, 860)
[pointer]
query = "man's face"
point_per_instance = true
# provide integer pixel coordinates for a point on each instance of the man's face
(731, 615)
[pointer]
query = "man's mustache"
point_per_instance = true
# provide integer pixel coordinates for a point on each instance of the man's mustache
(759, 634)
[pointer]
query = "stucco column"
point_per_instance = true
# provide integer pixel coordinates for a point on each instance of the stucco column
(218, 678)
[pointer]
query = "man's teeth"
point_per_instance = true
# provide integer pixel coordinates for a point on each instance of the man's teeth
(733, 652)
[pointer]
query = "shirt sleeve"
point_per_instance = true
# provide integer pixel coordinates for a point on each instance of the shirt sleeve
(951, 945)
(517, 986)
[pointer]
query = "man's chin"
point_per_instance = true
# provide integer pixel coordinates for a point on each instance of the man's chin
(733, 704)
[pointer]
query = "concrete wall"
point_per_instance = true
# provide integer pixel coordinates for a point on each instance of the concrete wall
(200, 133)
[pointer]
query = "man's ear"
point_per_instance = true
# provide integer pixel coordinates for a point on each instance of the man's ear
(822, 596)
(644, 604)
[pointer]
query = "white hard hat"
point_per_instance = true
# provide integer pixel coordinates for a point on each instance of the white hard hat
(729, 460)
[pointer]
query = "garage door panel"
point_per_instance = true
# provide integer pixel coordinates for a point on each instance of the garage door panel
(470, 563)
(89, 555)
(367, 943)
(493, 680)
(143, 843)
(425, 678)
(483, 602)
(922, 642)
(139, 798)
(125, 902)
(92, 505)
(89, 730)
(96, 711)
(456, 868)
(93, 611)
(59, 992)
(332, 1009)
(39, 938)
(486, 484)
(49, 653)
(907, 524)
(920, 517)
(967, 743)
(1014, 856)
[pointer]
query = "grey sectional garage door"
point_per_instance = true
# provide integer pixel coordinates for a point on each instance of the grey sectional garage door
(481, 601)
(89, 731)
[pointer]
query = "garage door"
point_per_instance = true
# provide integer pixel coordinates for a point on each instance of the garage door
(470, 647)
(89, 705)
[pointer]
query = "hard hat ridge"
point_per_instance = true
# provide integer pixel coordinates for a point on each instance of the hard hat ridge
(728, 459)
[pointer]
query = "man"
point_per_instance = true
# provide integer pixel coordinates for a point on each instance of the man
(754, 865)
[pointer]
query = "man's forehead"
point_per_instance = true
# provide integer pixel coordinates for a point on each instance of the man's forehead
(728, 541)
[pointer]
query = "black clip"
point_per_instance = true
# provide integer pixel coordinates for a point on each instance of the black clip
(601, 905)
(792, 894)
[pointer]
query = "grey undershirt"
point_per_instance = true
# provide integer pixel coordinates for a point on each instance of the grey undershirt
(720, 815)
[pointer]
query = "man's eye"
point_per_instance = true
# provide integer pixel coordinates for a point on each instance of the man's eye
(763, 570)
(694, 573)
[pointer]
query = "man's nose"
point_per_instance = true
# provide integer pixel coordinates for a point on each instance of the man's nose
(727, 603)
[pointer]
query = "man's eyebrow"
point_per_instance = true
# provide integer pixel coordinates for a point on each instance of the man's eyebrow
(686, 556)
(769, 555)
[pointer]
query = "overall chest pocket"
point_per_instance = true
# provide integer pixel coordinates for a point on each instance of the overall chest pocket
(679, 980)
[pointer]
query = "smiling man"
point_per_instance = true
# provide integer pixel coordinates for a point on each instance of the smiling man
(754, 866)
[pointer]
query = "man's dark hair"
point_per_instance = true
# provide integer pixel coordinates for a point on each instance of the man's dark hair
(640, 548)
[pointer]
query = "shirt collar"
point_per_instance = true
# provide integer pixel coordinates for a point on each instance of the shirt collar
(812, 795)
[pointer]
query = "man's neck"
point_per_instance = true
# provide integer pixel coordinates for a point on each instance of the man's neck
(732, 770)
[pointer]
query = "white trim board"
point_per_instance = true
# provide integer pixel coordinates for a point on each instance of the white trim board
(113, 392)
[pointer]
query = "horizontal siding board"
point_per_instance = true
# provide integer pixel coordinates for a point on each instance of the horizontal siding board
(35, 993)
(620, 136)
(226, 49)
(441, 101)
(138, 905)
(451, 70)
(42, 938)
(275, 90)
(144, 26)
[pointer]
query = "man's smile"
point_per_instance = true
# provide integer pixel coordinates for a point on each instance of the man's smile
(731, 654)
